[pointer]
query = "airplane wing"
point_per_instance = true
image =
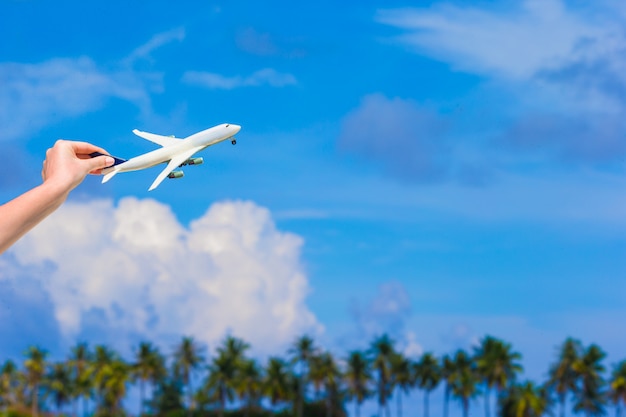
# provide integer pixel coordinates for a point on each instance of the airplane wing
(164, 141)
(172, 165)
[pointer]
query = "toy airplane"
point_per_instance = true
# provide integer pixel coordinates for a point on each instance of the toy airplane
(176, 152)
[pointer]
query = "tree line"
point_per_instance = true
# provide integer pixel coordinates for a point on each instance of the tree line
(307, 381)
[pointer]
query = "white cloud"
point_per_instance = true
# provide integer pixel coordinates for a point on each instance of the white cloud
(34, 95)
(267, 76)
(556, 70)
(157, 41)
(387, 312)
(146, 274)
(518, 43)
(412, 348)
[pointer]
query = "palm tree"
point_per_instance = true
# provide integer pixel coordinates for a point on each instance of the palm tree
(562, 377)
(316, 374)
(590, 397)
(617, 392)
(149, 367)
(225, 368)
(358, 376)
(332, 380)
(496, 365)
(97, 371)
(248, 384)
(115, 377)
(382, 351)
(428, 373)
(35, 367)
(221, 379)
(525, 400)
(188, 358)
(59, 383)
(8, 382)
(302, 351)
(401, 377)
(447, 374)
(465, 380)
(276, 382)
(79, 360)
(234, 348)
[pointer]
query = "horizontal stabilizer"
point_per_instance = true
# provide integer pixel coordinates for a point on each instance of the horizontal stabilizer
(109, 175)
(164, 141)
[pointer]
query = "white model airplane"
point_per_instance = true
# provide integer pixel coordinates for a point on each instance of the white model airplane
(176, 152)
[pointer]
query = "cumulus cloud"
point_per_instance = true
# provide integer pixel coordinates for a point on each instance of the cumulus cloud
(412, 347)
(34, 95)
(407, 139)
(385, 313)
(138, 270)
(266, 76)
(561, 68)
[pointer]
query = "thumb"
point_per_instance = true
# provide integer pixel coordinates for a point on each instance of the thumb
(99, 162)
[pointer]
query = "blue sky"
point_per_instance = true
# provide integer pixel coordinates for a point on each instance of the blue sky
(440, 170)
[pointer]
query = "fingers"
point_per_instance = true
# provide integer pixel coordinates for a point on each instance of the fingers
(84, 148)
(97, 164)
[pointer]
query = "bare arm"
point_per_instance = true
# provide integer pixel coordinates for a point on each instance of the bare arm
(66, 165)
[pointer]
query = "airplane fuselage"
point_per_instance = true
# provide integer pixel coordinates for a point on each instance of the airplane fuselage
(197, 141)
(175, 152)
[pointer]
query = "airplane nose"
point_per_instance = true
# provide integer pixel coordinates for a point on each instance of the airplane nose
(236, 128)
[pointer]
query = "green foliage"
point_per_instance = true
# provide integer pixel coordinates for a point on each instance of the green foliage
(524, 400)
(305, 382)
(168, 399)
(17, 412)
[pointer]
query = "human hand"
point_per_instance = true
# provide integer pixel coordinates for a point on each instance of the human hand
(67, 164)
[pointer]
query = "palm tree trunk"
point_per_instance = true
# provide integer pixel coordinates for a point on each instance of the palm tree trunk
(35, 406)
(562, 401)
(300, 396)
(189, 396)
(446, 401)
(357, 410)
(141, 397)
(328, 401)
(425, 403)
(381, 398)
(84, 405)
(222, 397)
(465, 407)
(487, 391)
(399, 403)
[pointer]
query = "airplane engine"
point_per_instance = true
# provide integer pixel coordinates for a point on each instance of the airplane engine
(192, 161)
(195, 161)
(176, 174)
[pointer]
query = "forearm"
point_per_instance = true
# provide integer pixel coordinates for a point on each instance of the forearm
(21, 214)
